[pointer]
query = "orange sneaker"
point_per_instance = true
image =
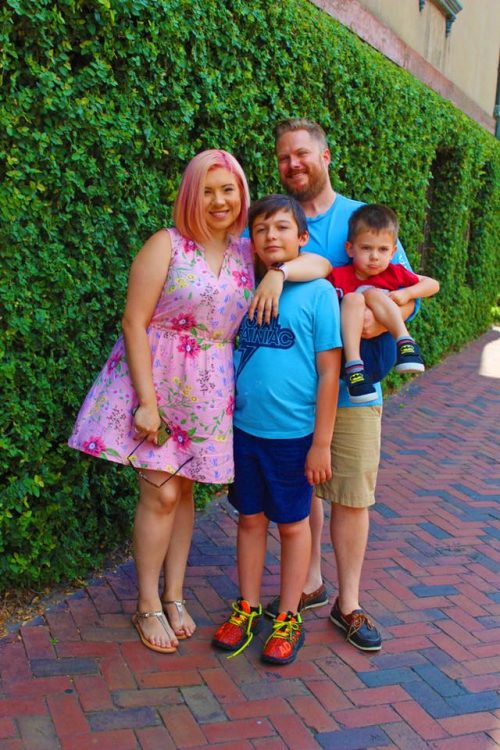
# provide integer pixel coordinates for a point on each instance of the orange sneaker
(284, 642)
(237, 632)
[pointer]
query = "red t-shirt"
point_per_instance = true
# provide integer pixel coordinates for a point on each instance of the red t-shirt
(394, 277)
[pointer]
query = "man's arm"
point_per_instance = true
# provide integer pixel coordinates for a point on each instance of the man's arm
(318, 462)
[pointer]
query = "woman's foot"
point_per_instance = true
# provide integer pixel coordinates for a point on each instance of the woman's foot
(155, 631)
(179, 618)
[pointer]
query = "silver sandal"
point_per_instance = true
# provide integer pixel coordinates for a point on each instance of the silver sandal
(179, 605)
(136, 621)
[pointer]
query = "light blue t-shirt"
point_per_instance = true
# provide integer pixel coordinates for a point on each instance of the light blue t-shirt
(275, 364)
(327, 237)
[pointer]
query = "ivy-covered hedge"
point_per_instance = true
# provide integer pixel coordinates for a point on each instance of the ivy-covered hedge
(102, 103)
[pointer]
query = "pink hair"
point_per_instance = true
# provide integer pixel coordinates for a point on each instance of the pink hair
(189, 215)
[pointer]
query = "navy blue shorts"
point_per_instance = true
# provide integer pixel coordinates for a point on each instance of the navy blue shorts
(269, 477)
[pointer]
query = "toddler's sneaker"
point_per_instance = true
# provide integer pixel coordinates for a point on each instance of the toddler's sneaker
(237, 632)
(284, 642)
(409, 358)
(360, 388)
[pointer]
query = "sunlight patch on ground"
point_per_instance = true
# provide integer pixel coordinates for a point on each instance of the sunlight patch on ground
(489, 366)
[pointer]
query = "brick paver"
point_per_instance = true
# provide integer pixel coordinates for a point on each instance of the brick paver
(79, 678)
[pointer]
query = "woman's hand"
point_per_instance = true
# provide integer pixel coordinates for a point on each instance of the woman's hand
(147, 423)
(266, 297)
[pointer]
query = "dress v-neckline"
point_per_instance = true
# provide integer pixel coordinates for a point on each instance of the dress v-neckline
(224, 257)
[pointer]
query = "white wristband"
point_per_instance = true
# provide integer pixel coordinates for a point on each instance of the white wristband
(281, 267)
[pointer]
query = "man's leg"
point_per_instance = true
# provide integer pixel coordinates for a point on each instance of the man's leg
(349, 533)
(314, 579)
(355, 459)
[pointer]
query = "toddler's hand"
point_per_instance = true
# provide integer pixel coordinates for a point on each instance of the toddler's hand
(400, 297)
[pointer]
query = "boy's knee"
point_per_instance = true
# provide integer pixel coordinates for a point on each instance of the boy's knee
(255, 522)
(296, 528)
(353, 299)
(373, 293)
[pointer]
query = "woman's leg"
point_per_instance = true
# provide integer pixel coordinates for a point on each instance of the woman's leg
(251, 552)
(295, 557)
(154, 520)
(176, 561)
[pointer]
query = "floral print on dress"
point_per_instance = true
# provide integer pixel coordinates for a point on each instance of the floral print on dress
(191, 337)
(183, 322)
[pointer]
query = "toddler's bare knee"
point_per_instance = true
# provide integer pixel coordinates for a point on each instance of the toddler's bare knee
(353, 299)
(373, 294)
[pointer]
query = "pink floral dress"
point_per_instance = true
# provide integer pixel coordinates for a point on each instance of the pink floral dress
(191, 337)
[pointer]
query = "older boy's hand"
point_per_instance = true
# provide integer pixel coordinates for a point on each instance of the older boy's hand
(318, 464)
(266, 297)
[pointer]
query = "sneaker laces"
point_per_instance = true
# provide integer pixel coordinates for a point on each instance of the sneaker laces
(238, 618)
(285, 628)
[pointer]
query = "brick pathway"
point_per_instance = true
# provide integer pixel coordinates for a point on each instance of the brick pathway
(80, 679)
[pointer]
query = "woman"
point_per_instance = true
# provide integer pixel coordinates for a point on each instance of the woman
(164, 399)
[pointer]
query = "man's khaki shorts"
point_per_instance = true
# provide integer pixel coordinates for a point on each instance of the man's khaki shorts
(355, 457)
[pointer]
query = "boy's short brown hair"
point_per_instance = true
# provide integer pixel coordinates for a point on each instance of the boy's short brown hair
(373, 216)
(271, 204)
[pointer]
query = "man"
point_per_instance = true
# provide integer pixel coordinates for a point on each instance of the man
(303, 161)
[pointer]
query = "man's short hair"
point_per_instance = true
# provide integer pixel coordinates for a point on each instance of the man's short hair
(301, 123)
(271, 204)
(373, 216)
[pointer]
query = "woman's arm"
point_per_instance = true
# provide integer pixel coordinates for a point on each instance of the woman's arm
(146, 279)
(305, 267)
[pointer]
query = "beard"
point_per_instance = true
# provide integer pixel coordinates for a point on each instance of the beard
(318, 179)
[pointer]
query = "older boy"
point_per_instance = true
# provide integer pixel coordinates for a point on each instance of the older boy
(286, 395)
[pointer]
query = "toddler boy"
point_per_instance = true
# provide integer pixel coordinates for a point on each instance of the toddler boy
(372, 281)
